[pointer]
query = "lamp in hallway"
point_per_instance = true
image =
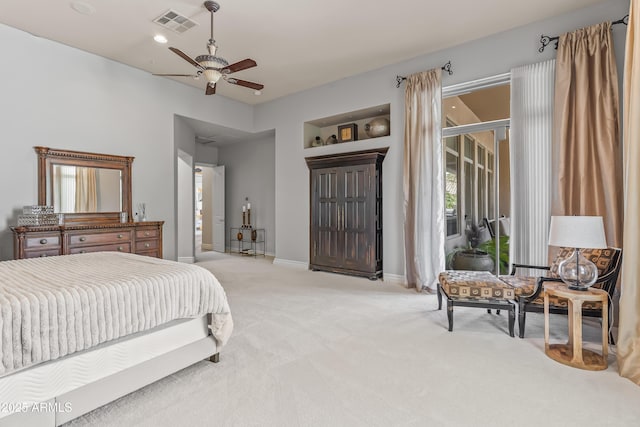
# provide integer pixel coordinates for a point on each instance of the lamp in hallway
(577, 232)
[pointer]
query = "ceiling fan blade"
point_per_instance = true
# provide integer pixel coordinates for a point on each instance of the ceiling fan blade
(184, 56)
(177, 75)
(242, 65)
(252, 85)
(210, 90)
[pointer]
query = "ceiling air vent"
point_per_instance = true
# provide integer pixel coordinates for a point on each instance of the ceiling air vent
(175, 21)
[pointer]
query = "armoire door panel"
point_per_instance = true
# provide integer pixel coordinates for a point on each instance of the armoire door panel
(325, 217)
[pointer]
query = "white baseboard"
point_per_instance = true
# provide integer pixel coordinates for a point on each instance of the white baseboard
(291, 263)
(187, 259)
(395, 278)
(207, 246)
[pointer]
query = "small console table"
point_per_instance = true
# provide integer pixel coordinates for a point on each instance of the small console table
(247, 241)
(572, 353)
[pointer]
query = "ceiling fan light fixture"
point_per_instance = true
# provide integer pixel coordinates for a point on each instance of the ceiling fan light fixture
(212, 75)
(210, 61)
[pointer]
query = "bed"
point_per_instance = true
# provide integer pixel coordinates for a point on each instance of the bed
(79, 331)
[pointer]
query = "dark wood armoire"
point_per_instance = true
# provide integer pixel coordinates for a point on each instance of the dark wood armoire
(346, 212)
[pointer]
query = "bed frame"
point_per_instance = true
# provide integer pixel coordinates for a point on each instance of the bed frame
(81, 392)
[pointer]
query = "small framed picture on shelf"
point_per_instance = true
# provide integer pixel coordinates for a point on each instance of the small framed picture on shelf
(348, 132)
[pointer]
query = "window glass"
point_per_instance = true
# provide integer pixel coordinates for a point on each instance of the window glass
(482, 193)
(469, 187)
(452, 206)
(453, 143)
(481, 155)
(481, 105)
(469, 148)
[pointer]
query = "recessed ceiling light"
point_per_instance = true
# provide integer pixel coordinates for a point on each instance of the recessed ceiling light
(83, 8)
(453, 106)
(159, 38)
(257, 92)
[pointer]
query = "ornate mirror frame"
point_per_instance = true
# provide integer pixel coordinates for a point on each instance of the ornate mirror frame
(47, 157)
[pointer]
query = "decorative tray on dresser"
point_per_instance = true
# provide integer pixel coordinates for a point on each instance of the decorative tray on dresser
(143, 238)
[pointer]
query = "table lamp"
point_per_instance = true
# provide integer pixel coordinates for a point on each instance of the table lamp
(577, 232)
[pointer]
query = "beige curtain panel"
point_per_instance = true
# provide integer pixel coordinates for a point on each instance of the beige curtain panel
(423, 182)
(86, 190)
(587, 129)
(629, 328)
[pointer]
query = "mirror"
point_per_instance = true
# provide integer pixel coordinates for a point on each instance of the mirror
(77, 189)
(85, 187)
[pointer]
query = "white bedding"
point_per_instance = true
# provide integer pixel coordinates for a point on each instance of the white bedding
(52, 307)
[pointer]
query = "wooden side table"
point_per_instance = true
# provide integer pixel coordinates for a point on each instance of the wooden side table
(572, 353)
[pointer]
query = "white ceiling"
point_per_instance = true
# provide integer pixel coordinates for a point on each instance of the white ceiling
(298, 44)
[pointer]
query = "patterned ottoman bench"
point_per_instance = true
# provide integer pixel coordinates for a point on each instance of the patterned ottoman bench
(476, 289)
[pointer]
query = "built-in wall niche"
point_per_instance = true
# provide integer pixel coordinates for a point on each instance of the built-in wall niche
(348, 127)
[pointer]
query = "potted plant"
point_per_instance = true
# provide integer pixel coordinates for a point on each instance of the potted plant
(471, 257)
(490, 247)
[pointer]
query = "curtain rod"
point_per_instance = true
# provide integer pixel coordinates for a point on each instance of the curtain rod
(546, 40)
(446, 67)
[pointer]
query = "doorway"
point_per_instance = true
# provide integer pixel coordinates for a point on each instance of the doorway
(209, 223)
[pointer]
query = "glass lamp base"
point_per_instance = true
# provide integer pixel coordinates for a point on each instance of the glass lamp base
(578, 272)
(575, 287)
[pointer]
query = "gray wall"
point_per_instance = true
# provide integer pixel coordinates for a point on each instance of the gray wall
(486, 57)
(89, 103)
(206, 154)
(250, 172)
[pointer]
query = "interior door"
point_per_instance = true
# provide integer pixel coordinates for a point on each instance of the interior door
(218, 209)
(356, 222)
(324, 217)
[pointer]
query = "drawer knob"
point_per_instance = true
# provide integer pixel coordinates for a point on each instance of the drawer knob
(146, 245)
(146, 233)
(43, 241)
(120, 236)
(120, 248)
(43, 255)
(82, 239)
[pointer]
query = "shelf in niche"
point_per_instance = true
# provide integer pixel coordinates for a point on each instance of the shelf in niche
(327, 126)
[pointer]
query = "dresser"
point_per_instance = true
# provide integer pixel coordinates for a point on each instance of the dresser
(143, 238)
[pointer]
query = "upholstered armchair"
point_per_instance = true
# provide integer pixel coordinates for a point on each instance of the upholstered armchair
(528, 289)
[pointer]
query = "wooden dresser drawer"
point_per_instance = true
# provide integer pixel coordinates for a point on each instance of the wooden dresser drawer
(123, 247)
(150, 233)
(146, 245)
(154, 254)
(112, 237)
(43, 241)
(43, 253)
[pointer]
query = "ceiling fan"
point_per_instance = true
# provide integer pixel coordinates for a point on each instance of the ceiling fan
(214, 67)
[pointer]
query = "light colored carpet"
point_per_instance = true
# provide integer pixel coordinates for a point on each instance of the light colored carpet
(319, 349)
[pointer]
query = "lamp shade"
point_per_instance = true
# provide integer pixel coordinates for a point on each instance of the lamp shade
(577, 232)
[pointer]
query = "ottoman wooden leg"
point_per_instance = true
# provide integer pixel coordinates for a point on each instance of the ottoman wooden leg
(439, 297)
(450, 314)
(521, 320)
(512, 319)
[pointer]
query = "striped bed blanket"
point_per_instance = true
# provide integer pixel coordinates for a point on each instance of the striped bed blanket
(53, 307)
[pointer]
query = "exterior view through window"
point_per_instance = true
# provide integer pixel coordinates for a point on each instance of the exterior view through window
(476, 151)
